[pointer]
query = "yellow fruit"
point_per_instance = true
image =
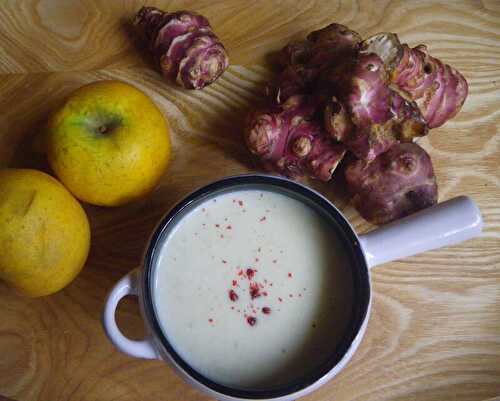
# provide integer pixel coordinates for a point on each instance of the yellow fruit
(44, 232)
(108, 143)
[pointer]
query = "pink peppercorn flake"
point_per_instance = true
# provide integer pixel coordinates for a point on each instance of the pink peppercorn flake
(264, 293)
(250, 273)
(233, 296)
(229, 228)
(254, 290)
(210, 320)
(266, 310)
(263, 218)
(251, 320)
(217, 225)
(290, 275)
(240, 203)
(235, 283)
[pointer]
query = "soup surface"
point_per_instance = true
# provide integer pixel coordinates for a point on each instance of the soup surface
(253, 289)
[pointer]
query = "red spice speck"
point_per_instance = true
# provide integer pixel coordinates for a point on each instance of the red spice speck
(240, 203)
(263, 218)
(280, 299)
(270, 284)
(250, 273)
(217, 225)
(254, 290)
(251, 320)
(224, 261)
(266, 310)
(261, 285)
(290, 275)
(264, 293)
(210, 320)
(229, 228)
(233, 296)
(240, 273)
(235, 283)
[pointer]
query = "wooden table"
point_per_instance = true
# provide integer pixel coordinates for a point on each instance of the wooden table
(434, 333)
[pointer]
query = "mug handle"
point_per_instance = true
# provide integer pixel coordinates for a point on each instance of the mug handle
(444, 224)
(139, 349)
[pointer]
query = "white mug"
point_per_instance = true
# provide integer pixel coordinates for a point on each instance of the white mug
(445, 224)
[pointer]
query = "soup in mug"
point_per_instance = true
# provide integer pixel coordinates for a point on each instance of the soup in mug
(252, 289)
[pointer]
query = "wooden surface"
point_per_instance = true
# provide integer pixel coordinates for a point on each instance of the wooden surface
(434, 333)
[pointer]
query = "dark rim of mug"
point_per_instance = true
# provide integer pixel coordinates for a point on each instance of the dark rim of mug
(360, 283)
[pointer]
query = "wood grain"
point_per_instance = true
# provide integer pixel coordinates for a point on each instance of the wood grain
(435, 329)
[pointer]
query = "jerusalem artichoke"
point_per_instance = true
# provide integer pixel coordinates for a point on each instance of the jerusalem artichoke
(438, 89)
(397, 183)
(289, 141)
(184, 46)
(379, 117)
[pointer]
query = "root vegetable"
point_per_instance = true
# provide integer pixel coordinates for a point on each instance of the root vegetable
(287, 140)
(295, 79)
(184, 46)
(332, 44)
(379, 117)
(438, 89)
(397, 183)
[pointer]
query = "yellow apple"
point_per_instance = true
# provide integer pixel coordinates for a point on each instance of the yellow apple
(108, 143)
(44, 232)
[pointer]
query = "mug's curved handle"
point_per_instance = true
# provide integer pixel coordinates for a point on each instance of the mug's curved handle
(140, 349)
(446, 223)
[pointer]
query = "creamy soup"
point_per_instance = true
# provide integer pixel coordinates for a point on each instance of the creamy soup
(253, 289)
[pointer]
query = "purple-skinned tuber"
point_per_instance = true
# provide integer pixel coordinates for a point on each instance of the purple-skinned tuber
(370, 116)
(287, 140)
(184, 46)
(397, 183)
(437, 88)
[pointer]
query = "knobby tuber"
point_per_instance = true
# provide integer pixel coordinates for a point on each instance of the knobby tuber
(369, 97)
(289, 141)
(183, 45)
(438, 89)
(379, 117)
(397, 183)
